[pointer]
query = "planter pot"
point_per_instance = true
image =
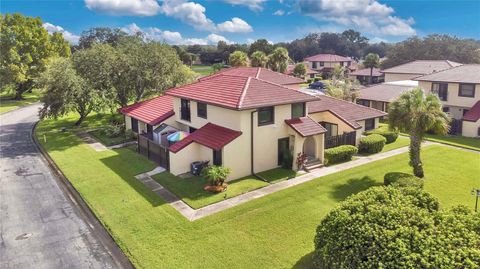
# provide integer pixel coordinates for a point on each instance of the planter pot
(216, 189)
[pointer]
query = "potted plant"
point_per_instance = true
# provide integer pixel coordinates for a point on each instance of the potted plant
(216, 176)
(301, 160)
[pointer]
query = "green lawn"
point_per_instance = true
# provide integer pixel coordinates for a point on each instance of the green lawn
(453, 140)
(108, 141)
(203, 70)
(191, 191)
(275, 231)
(7, 103)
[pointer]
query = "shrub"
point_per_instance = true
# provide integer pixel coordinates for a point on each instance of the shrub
(317, 79)
(310, 80)
(386, 227)
(391, 136)
(340, 154)
(114, 130)
(398, 179)
(216, 175)
(373, 143)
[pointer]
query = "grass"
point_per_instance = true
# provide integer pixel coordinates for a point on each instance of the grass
(453, 140)
(7, 103)
(275, 231)
(203, 70)
(191, 191)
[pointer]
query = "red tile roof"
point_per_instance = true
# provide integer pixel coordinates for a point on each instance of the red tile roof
(474, 113)
(260, 73)
(239, 92)
(305, 126)
(327, 58)
(152, 111)
(210, 135)
(366, 72)
(349, 112)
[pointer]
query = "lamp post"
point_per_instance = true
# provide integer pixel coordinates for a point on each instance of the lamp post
(476, 193)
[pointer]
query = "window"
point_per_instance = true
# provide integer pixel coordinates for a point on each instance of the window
(321, 63)
(185, 109)
(314, 65)
(363, 102)
(332, 128)
(341, 63)
(441, 89)
(478, 131)
(446, 109)
(298, 110)
(466, 90)
(369, 124)
(266, 115)
(217, 157)
(201, 110)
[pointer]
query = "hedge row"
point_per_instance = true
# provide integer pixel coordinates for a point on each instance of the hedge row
(373, 143)
(391, 136)
(398, 179)
(340, 154)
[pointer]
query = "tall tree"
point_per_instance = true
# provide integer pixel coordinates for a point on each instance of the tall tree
(25, 46)
(66, 91)
(278, 60)
(100, 35)
(238, 58)
(416, 114)
(371, 61)
(259, 59)
(260, 45)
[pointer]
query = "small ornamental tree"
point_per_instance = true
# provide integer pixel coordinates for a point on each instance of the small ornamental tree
(299, 70)
(389, 227)
(216, 175)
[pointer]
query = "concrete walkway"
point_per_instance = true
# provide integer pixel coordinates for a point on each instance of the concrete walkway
(194, 214)
(92, 142)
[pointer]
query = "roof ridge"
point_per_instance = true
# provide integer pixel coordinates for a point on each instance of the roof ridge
(258, 72)
(244, 92)
(436, 72)
(370, 108)
(269, 82)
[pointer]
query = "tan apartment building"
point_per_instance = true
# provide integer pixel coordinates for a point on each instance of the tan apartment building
(325, 63)
(459, 90)
(380, 95)
(363, 76)
(237, 120)
(411, 70)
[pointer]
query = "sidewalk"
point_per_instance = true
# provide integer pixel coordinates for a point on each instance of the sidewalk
(194, 214)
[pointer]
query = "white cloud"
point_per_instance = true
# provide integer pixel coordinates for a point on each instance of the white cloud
(173, 38)
(124, 7)
(188, 12)
(255, 5)
(279, 12)
(367, 15)
(378, 40)
(250, 41)
(72, 38)
(236, 25)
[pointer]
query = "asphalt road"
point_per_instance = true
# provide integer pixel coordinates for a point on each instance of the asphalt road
(40, 226)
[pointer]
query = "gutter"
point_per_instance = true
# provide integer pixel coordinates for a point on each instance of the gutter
(252, 170)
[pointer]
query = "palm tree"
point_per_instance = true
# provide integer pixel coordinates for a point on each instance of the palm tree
(371, 60)
(416, 113)
(258, 59)
(238, 58)
(278, 60)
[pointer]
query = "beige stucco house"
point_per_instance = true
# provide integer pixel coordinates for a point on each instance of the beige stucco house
(459, 90)
(415, 69)
(325, 63)
(363, 76)
(237, 119)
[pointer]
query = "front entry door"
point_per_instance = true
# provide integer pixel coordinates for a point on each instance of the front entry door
(283, 149)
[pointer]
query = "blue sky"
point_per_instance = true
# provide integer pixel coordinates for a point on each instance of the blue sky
(208, 21)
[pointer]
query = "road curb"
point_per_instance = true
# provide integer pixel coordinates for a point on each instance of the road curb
(93, 223)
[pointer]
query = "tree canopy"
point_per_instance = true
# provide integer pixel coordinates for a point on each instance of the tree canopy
(100, 35)
(258, 59)
(388, 227)
(260, 45)
(300, 70)
(278, 60)
(238, 58)
(25, 47)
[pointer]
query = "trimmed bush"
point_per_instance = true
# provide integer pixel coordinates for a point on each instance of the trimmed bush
(386, 227)
(391, 136)
(373, 143)
(398, 179)
(340, 154)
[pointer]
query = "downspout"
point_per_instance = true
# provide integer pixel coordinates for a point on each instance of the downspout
(252, 170)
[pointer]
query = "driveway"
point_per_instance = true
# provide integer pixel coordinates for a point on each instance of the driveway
(40, 226)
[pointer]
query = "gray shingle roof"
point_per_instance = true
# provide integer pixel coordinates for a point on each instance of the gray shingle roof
(421, 67)
(385, 92)
(468, 73)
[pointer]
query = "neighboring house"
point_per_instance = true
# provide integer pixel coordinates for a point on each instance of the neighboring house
(363, 76)
(244, 122)
(309, 74)
(380, 95)
(459, 90)
(325, 63)
(416, 68)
